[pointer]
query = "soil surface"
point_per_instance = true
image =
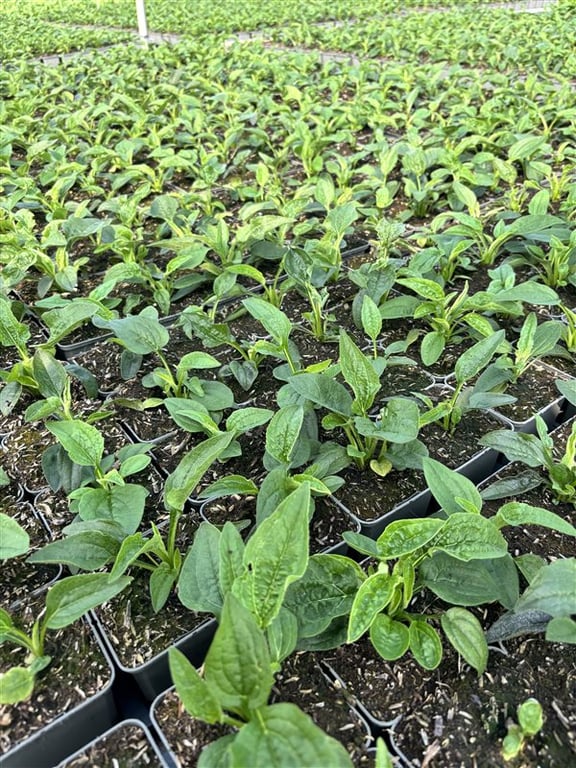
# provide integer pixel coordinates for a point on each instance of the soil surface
(126, 746)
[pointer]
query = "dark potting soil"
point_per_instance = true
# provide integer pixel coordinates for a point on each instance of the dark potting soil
(326, 528)
(533, 391)
(126, 746)
(369, 496)
(18, 578)
(78, 670)
(450, 718)
(136, 633)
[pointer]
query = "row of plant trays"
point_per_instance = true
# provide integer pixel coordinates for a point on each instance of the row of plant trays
(92, 716)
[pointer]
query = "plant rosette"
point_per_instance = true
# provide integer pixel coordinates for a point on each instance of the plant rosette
(128, 744)
(302, 682)
(72, 701)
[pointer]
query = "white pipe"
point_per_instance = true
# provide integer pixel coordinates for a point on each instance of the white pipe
(141, 15)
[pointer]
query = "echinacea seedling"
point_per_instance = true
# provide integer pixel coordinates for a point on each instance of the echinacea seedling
(459, 555)
(535, 451)
(40, 374)
(467, 397)
(108, 534)
(389, 441)
(530, 720)
(234, 689)
(66, 602)
(450, 316)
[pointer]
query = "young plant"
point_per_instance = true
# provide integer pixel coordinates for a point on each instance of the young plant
(95, 483)
(104, 535)
(66, 602)
(537, 451)
(388, 442)
(462, 557)
(234, 690)
(536, 340)
(300, 266)
(530, 719)
(245, 586)
(449, 315)
(39, 374)
(557, 265)
(466, 398)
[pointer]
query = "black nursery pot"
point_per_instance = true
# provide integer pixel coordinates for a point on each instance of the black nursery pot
(69, 731)
(128, 744)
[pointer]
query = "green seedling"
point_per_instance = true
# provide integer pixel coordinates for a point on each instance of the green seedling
(530, 717)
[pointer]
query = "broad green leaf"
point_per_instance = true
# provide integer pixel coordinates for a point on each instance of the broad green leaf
(197, 361)
(273, 319)
(372, 597)
(199, 581)
(517, 513)
(282, 635)
(194, 692)
(390, 638)
(561, 629)
(238, 665)
(432, 346)
(284, 737)
(323, 391)
(470, 537)
(131, 549)
(477, 357)
(12, 332)
(87, 550)
(551, 590)
(191, 415)
(49, 373)
(371, 318)
(426, 289)
(71, 597)
(142, 334)
(229, 485)
(447, 486)
(326, 590)
(83, 443)
(358, 373)
(122, 503)
(246, 419)
(464, 632)
(16, 685)
(162, 579)
(217, 753)
(164, 207)
(14, 540)
(361, 543)
(402, 537)
(568, 389)
(399, 421)
(516, 446)
(231, 550)
(276, 555)
(425, 644)
(192, 468)
(283, 431)
(471, 583)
